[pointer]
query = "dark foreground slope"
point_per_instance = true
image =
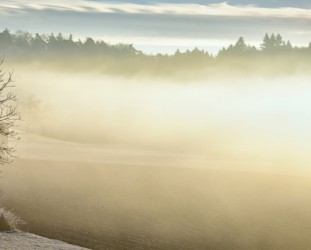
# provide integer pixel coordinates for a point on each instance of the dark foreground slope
(104, 205)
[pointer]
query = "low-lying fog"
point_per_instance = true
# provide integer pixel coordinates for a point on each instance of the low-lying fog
(116, 163)
(254, 120)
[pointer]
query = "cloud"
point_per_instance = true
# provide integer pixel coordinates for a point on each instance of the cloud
(152, 26)
(184, 9)
(262, 3)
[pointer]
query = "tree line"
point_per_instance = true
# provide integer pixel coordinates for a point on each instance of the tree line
(272, 44)
(124, 57)
(25, 44)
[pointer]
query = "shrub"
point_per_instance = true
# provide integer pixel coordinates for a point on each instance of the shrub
(9, 221)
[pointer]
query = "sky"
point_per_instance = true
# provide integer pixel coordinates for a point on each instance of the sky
(163, 26)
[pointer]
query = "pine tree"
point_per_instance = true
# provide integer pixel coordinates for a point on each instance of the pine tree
(266, 43)
(273, 42)
(240, 44)
(279, 41)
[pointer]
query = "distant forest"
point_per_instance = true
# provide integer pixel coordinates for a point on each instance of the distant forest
(275, 55)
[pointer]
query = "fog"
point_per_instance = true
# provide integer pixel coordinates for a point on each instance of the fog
(247, 119)
(139, 162)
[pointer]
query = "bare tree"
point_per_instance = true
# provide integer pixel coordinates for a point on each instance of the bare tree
(8, 116)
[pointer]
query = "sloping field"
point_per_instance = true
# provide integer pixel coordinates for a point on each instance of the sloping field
(106, 197)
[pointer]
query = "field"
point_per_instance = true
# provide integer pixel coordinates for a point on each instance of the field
(120, 200)
(114, 163)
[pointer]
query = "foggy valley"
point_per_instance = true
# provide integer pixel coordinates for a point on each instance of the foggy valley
(128, 163)
(155, 125)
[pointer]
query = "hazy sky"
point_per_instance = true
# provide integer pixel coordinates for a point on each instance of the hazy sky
(162, 26)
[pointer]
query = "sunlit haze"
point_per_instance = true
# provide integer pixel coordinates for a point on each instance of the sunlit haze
(155, 124)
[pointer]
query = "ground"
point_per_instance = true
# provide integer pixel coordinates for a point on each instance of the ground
(27, 241)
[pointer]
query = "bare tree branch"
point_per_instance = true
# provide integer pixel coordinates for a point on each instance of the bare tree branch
(8, 116)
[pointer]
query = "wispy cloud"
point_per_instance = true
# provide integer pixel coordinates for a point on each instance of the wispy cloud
(220, 9)
(180, 25)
